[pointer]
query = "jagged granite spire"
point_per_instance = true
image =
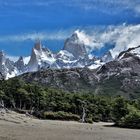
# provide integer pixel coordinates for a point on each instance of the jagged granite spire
(75, 46)
(20, 64)
(2, 57)
(38, 45)
(40, 56)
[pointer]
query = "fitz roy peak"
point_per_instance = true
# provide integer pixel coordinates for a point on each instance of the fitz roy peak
(75, 46)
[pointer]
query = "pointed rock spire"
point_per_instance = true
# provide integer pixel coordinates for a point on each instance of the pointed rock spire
(40, 56)
(2, 57)
(38, 45)
(74, 46)
(20, 64)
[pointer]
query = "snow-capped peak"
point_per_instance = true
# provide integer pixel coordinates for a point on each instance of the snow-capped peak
(65, 55)
(2, 57)
(40, 56)
(26, 59)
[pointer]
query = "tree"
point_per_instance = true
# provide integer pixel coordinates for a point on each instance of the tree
(119, 108)
(23, 97)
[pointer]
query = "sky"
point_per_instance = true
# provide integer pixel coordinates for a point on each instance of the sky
(24, 21)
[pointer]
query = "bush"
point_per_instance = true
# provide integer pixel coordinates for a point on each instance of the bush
(61, 116)
(89, 120)
(97, 118)
(119, 109)
(132, 120)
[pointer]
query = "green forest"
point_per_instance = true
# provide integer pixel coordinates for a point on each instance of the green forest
(55, 104)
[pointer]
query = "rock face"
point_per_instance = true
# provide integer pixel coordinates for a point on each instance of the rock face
(7, 67)
(40, 57)
(107, 57)
(67, 79)
(122, 74)
(75, 46)
(20, 65)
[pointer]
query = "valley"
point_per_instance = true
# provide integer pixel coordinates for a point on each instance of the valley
(62, 130)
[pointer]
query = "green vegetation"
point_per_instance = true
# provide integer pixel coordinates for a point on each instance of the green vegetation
(46, 103)
(119, 108)
(132, 119)
(60, 115)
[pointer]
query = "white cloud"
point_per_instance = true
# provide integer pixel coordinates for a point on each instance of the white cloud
(85, 38)
(58, 35)
(123, 36)
(126, 37)
(88, 40)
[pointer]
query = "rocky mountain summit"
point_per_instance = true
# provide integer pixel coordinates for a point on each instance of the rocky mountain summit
(76, 46)
(40, 57)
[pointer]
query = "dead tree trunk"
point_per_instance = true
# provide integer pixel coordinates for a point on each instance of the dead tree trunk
(20, 105)
(2, 106)
(83, 115)
(13, 104)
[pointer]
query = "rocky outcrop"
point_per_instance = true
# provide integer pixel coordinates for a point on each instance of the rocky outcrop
(66, 79)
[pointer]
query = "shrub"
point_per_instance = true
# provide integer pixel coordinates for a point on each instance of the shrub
(119, 109)
(89, 120)
(97, 118)
(61, 116)
(132, 120)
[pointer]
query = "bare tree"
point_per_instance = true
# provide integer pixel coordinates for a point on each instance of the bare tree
(83, 114)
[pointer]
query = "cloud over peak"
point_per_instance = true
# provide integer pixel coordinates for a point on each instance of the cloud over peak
(58, 35)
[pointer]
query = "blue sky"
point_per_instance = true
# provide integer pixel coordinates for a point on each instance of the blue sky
(22, 21)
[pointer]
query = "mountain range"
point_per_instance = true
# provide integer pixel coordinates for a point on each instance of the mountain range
(117, 77)
(74, 68)
(74, 55)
